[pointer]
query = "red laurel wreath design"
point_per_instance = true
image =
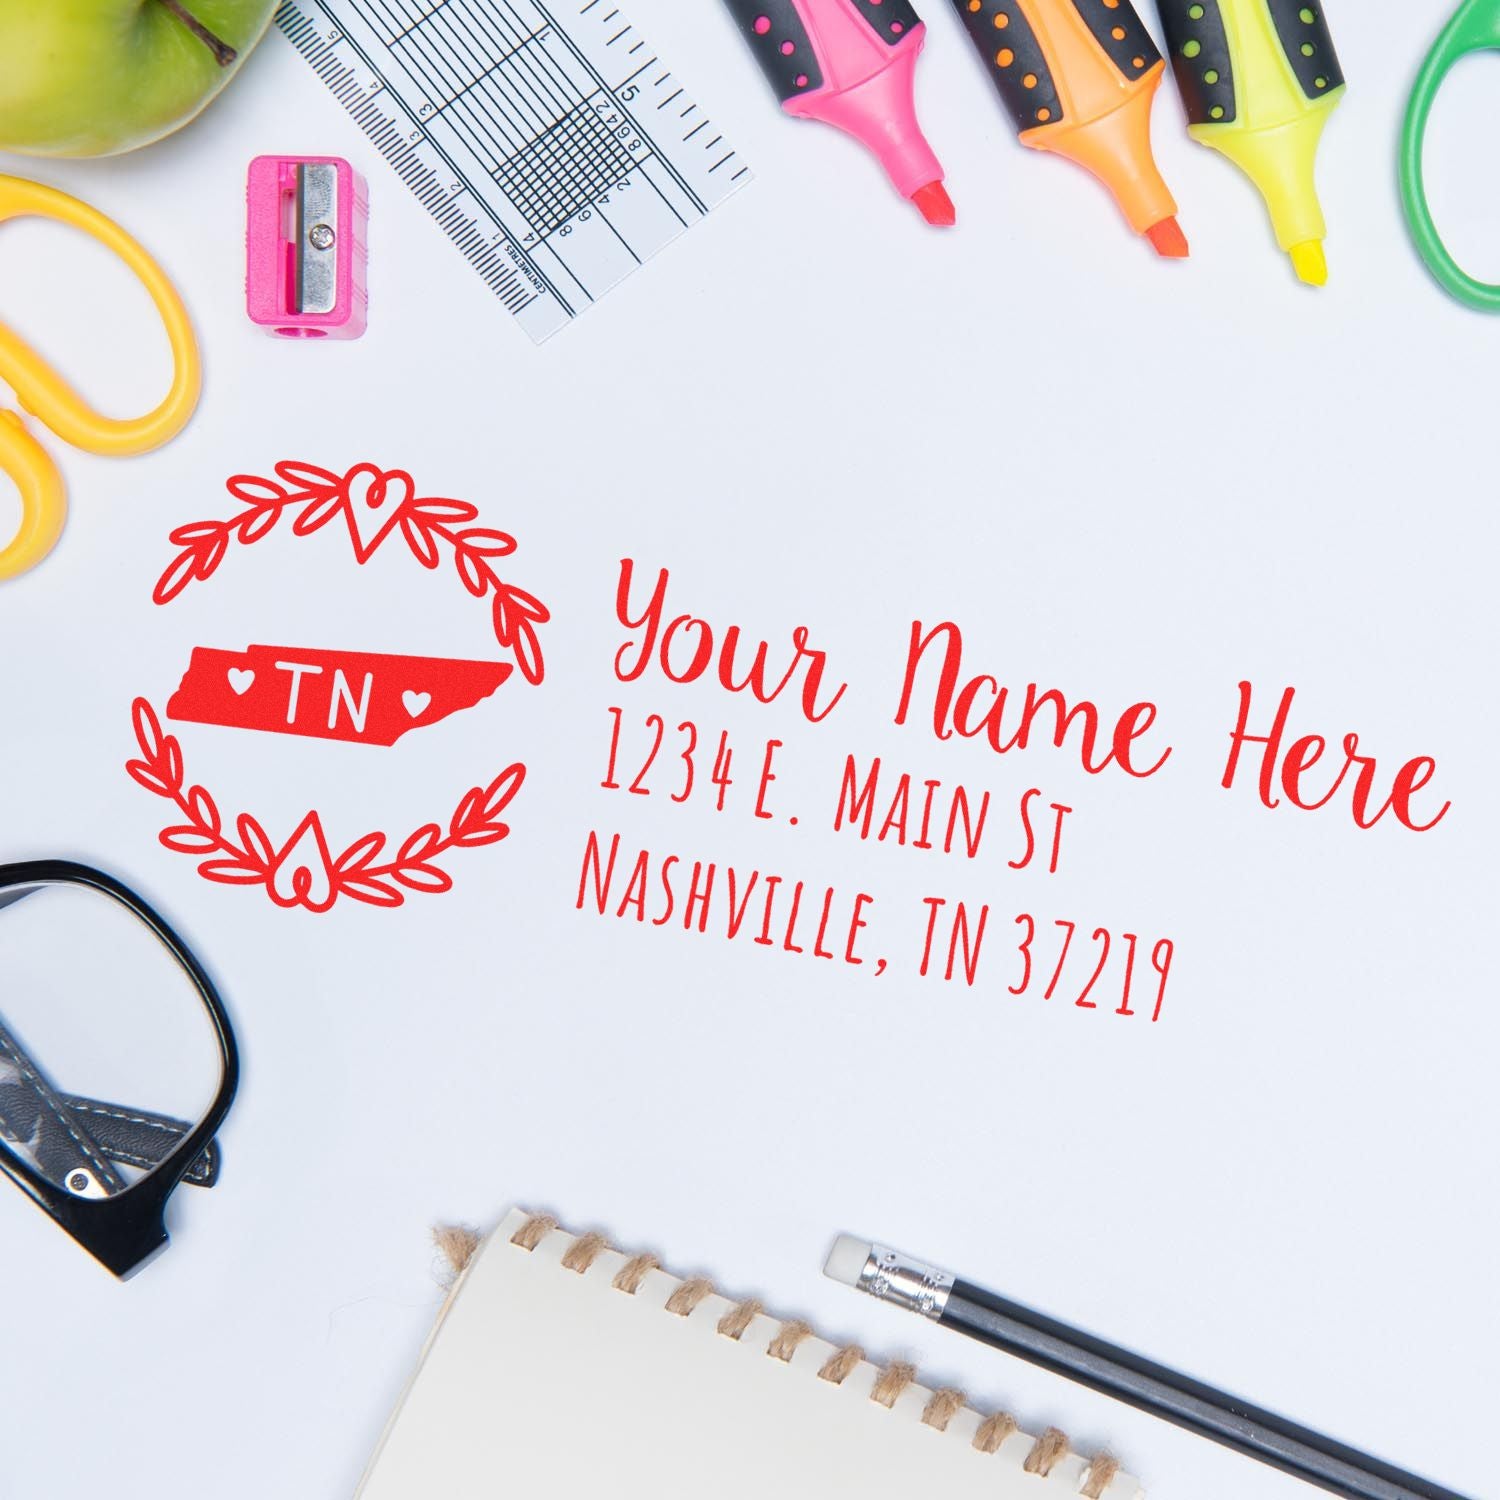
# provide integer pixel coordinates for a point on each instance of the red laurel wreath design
(303, 872)
(354, 873)
(425, 522)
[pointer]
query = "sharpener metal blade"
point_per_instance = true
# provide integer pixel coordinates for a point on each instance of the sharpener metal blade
(317, 245)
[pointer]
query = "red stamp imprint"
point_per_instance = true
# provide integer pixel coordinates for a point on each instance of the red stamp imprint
(356, 697)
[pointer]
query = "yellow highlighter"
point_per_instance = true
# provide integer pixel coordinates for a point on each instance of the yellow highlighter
(1259, 79)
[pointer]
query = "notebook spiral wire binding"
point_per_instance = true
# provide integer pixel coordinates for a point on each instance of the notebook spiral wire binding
(458, 1246)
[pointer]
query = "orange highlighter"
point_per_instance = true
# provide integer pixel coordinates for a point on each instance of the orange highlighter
(1078, 77)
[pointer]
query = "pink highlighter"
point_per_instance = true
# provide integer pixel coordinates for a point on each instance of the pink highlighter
(852, 63)
(306, 220)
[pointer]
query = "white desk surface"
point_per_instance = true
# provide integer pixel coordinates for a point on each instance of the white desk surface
(1128, 479)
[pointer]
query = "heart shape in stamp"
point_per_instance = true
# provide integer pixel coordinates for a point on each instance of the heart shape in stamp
(375, 500)
(416, 704)
(241, 680)
(301, 874)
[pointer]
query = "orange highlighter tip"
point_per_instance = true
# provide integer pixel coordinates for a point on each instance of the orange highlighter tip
(935, 205)
(1168, 239)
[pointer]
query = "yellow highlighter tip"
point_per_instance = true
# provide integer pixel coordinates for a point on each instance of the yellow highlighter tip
(1309, 262)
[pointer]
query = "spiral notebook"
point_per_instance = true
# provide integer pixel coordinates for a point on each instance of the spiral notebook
(560, 1366)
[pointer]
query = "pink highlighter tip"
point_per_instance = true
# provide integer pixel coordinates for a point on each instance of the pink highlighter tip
(935, 205)
(1168, 239)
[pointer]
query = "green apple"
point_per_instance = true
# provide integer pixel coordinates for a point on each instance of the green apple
(94, 77)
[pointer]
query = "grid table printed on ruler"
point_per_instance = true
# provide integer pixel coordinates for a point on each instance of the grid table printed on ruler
(558, 154)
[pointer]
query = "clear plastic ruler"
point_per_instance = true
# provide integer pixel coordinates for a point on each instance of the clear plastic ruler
(549, 141)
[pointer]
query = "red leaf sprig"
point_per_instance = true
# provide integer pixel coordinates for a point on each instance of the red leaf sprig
(358, 872)
(426, 523)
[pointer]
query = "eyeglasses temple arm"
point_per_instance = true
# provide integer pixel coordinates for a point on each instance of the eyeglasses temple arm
(36, 1118)
(141, 1138)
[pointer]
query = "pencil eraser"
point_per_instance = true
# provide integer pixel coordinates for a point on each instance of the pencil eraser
(846, 1261)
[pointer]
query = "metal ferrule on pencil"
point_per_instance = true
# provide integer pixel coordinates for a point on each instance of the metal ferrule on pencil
(909, 1283)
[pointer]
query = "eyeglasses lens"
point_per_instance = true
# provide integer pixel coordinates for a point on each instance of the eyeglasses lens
(108, 1055)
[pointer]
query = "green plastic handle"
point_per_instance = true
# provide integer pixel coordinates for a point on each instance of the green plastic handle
(1474, 28)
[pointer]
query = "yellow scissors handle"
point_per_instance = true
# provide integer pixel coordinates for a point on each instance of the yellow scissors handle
(44, 500)
(44, 393)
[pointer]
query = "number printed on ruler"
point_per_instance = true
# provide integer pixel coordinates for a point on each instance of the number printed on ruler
(550, 142)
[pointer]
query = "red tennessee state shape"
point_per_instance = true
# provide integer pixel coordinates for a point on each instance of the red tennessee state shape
(357, 696)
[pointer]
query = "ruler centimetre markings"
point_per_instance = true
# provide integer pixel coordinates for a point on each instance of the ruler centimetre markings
(400, 150)
(502, 122)
(639, 46)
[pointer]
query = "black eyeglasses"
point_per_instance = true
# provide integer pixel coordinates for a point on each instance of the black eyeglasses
(117, 1060)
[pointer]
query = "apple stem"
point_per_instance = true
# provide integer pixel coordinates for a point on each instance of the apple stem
(223, 53)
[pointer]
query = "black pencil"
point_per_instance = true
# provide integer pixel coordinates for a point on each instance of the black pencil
(955, 1303)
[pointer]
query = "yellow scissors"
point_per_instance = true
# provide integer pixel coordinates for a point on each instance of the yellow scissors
(47, 396)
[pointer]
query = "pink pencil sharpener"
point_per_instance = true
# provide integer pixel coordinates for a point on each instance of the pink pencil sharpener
(305, 247)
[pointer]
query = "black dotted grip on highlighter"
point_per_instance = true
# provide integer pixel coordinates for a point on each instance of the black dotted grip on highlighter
(1121, 33)
(889, 19)
(1308, 45)
(1014, 59)
(1200, 58)
(780, 43)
